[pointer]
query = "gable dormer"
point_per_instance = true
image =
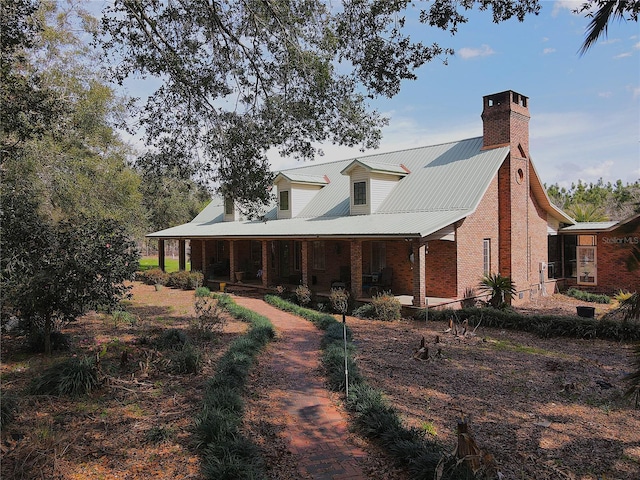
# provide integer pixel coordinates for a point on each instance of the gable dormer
(295, 191)
(230, 213)
(370, 182)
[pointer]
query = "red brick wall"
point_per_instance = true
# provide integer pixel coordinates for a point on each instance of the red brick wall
(481, 224)
(398, 259)
(440, 269)
(614, 251)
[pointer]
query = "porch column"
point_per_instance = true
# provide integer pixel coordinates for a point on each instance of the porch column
(265, 263)
(419, 274)
(305, 262)
(182, 255)
(356, 268)
(232, 261)
(161, 254)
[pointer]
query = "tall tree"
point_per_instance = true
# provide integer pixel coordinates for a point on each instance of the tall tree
(65, 187)
(243, 76)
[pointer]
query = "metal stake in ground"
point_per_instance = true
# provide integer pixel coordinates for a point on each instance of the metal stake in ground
(346, 368)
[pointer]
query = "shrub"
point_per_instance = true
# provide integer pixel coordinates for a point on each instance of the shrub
(587, 296)
(188, 359)
(501, 289)
(386, 307)
(74, 377)
(303, 295)
(202, 292)
(339, 299)
(154, 276)
(173, 338)
(122, 316)
(209, 317)
(545, 326)
(364, 311)
(159, 434)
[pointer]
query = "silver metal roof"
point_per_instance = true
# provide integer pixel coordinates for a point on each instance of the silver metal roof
(446, 184)
(589, 226)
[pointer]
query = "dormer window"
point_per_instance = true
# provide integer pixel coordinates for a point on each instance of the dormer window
(228, 206)
(284, 200)
(359, 193)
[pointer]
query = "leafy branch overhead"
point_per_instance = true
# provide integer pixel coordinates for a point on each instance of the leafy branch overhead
(242, 77)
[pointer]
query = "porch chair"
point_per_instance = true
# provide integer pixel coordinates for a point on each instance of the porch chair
(383, 284)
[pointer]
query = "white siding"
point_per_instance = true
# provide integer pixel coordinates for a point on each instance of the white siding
(381, 186)
(300, 197)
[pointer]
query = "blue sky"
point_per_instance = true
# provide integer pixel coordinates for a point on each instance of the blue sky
(585, 110)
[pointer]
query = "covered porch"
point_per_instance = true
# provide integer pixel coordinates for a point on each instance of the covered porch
(409, 268)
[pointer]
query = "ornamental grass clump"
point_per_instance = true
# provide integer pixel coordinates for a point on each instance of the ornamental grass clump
(73, 377)
(339, 300)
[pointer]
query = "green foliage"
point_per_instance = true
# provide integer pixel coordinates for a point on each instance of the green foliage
(172, 339)
(122, 316)
(292, 103)
(187, 359)
(202, 292)
(185, 280)
(364, 311)
(320, 320)
(154, 276)
(73, 377)
(386, 307)
(159, 434)
(597, 201)
(587, 296)
(8, 406)
(501, 289)
(545, 326)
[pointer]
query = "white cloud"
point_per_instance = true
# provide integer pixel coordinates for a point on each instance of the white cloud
(636, 46)
(570, 5)
(609, 41)
(605, 94)
(547, 51)
(623, 55)
(467, 53)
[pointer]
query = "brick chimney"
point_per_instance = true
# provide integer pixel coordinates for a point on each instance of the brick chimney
(505, 120)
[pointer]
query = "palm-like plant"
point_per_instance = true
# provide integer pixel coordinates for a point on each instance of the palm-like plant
(501, 289)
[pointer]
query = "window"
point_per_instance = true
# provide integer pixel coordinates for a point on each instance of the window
(586, 240)
(360, 193)
(378, 256)
(228, 206)
(318, 255)
(486, 256)
(284, 200)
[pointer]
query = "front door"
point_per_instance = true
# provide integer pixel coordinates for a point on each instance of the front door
(587, 271)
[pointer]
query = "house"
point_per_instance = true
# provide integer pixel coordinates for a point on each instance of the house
(425, 223)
